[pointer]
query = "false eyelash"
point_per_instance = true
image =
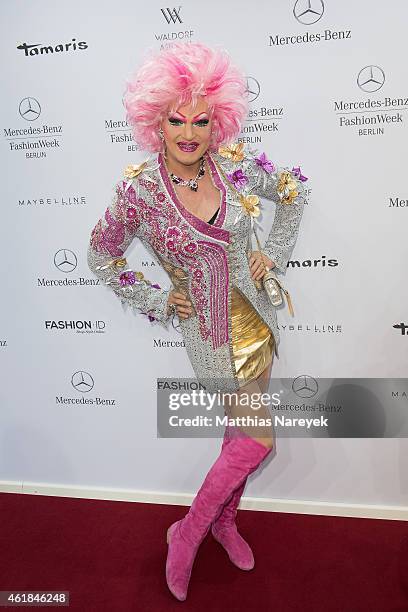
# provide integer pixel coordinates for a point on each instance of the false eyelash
(175, 121)
(200, 123)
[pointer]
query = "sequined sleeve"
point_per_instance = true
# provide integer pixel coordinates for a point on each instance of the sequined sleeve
(286, 188)
(109, 241)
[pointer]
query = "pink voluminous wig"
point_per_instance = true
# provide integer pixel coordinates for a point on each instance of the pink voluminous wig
(176, 76)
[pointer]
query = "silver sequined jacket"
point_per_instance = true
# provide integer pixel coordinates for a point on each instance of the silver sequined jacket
(205, 260)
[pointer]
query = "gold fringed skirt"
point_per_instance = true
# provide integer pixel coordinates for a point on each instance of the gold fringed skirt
(252, 340)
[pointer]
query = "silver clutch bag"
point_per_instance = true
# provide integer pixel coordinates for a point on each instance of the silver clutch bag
(273, 287)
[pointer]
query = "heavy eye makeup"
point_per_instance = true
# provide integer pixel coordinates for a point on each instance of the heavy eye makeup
(200, 122)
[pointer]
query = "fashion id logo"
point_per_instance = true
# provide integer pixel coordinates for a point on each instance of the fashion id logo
(77, 326)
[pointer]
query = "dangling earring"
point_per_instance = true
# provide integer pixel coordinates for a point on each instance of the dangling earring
(161, 136)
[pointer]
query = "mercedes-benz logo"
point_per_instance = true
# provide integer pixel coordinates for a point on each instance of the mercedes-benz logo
(371, 78)
(305, 386)
(82, 381)
(29, 109)
(253, 88)
(65, 260)
(307, 12)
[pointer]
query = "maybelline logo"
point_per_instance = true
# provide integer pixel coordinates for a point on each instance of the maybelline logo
(31, 50)
(361, 115)
(45, 201)
(261, 119)
(403, 328)
(322, 328)
(66, 262)
(82, 382)
(172, 16)
(35, 141)
(306, 13)
(78, 326)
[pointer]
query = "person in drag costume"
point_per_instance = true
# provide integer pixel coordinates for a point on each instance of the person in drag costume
(193, 206)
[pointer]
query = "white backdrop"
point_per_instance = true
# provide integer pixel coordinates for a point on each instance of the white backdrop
(329, 93)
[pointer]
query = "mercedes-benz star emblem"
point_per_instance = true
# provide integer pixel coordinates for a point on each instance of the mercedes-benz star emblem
(305, 386)
(29, 109)
(253, 88)
(65, 260)
(371, 78)
(82, 381)
(307, 12)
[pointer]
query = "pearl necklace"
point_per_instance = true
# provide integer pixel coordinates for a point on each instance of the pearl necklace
(192, 183)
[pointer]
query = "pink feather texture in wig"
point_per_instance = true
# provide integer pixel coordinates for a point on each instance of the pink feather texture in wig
(178, 75)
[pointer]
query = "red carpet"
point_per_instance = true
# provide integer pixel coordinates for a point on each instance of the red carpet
(111, 556)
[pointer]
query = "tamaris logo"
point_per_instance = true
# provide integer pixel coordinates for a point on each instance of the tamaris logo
(39, 49)
(403, 327)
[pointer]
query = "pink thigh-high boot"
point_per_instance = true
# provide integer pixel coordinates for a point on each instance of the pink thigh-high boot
(239, 458)
(224, 528)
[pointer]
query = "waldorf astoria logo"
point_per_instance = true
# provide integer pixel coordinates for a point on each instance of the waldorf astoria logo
(306, 13)
(38, 49)
(172, 18)
(172, 15)
(262, 118)
(373, 115)
(36, 140)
